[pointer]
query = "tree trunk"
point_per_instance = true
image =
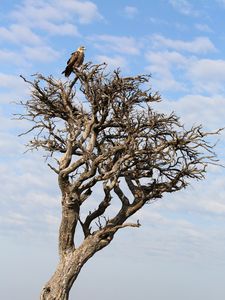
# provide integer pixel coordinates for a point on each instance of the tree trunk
(67, 228)
(58, 287)
(72, 259)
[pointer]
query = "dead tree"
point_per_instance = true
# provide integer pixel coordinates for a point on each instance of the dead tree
(112, 138)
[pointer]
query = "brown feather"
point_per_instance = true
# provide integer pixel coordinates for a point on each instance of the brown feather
(74, 61)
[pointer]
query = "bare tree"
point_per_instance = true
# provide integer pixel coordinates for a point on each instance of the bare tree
(112, 138)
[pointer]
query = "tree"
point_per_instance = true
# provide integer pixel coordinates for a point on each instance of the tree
(114, 139)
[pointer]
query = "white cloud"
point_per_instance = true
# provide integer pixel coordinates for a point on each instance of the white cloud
(122, 44)
(184, 7)
(183, 233)
(13, 57)
(130, 11)
(40, 198)
(14, 218)
(28, 186)
(12, 82)
(166, 58)
(196, 108)
(87, 11)
(53, 15)
(19, 34)
(208, 75)
(205, 109)
(13, 89)
(200, 45)
(174, 70)
(161, 65)
(222, 2)
(59, 29)
(113, 62)
(46, 16)
(8, 142)
(42, 53)
(25, 56)
(215, 207)
(203, 27)
(209, 205)
(36, 11)
(158, 21)
(163, 79)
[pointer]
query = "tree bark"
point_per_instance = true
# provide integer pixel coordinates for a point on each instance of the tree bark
(58, 287)
(70, 264)
(70, 215)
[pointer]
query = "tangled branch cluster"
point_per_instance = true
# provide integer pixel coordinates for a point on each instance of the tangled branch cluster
(114, 138)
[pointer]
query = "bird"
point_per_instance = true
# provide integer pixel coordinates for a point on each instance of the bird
(75, 61)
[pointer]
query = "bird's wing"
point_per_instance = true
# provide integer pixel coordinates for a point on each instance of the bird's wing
(73, 58)
(68, 61)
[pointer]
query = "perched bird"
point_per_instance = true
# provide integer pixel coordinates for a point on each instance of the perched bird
(75, 61)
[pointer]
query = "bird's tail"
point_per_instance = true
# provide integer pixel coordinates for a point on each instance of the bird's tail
(66, 72)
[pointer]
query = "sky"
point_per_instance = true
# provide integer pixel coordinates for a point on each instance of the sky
(179, 251)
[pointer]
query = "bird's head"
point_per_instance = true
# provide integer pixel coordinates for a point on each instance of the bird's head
(81, 48)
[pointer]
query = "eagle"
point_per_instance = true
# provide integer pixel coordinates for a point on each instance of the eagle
(75, 61)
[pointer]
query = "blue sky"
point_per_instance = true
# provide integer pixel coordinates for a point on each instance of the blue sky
(179, 252)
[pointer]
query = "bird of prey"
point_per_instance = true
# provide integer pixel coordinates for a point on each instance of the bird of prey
(75, 61)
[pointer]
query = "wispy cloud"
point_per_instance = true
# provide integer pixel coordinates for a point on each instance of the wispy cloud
(51, 14)
(27, 187)
(222, 2)
(41, 54)
(181, 66)
(161, 66)
(113, 62)
(172, 70)
(87, 11)
(208, 75)
(122, 44)
(14, 218)
(184, 7)
(12, 57)
(11, 82)
(198, 45)
(194, 108)
(158, 21)
(63, 29)
(166, 58)
(180, 221)
(130, 11)
(19, 34)
(203, 27)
